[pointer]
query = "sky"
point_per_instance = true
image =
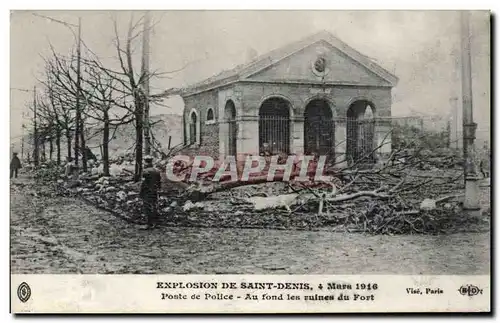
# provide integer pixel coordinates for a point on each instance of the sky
(422, 48)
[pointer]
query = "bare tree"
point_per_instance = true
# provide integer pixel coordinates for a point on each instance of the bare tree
(59, 103)
(103, 102)
(103, 88)
(64, 86)
(131, 81)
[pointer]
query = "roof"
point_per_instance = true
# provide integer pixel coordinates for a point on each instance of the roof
(243, 71)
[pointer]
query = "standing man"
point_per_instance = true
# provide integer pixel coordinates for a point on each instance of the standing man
(150, 187)
(90, 154)
(71, 172)
(15, 164)
(485, 160)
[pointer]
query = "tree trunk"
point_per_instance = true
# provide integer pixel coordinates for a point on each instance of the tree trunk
(105, 141)
(58, 146)
(139, 139)
(83, 146)
(51, 148)
(68, 140)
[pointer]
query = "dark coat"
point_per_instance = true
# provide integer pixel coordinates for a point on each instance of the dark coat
(89, 154)
(15, 163)
(151, 183)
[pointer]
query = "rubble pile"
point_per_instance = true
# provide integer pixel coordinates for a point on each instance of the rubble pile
(408, 206)
(376, 218)
(395, 218)
(430, 159)
(439, 159)
(117, 194)
(47, 173)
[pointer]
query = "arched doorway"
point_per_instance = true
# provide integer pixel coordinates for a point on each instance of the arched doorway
(193, 128)
(274, 126)
(319, 130)
(230, 117)
(360, 132)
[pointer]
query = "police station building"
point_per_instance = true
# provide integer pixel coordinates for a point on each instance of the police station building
(315, 96)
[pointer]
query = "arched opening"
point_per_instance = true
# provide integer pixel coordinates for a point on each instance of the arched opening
(274, 126)
(360, 132)
(230, 117)
(194, 128)
(319, 130)
(184, 129)
(210, 114)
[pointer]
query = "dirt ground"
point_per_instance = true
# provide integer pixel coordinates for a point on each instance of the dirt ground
(66, 235)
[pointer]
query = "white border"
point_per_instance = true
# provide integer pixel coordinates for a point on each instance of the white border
(214, 4)
(258, 4)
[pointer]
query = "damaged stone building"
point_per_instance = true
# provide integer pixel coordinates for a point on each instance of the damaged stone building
(315, 96)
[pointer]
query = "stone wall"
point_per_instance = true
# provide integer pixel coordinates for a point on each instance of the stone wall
(248, 97)
(339, 98)
(207, 142)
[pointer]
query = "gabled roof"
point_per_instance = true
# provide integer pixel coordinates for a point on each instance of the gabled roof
(243, 71)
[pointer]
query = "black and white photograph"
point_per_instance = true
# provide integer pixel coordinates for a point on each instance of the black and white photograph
(250, 142)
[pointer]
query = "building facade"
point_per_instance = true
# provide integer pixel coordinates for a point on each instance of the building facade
(314, 96)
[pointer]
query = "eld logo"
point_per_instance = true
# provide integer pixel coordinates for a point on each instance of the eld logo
(24, 292)
(470, 290)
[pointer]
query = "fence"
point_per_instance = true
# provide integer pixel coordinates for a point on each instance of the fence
(360, 137)
(274, 135)
(319, 136)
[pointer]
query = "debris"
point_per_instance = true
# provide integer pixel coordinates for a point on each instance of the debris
(102, 179)
(392, 198)
(109, 189)
(428, 204)
(98, 170)
(273, 202)
(121, 195)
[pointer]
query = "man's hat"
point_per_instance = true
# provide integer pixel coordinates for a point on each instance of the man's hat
(15, 154)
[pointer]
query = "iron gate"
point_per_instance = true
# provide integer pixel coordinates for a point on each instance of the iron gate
(319, 136)
(232, 131)
(274, 135)
(360, 139)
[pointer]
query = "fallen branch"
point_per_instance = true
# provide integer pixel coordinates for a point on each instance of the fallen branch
(347, 197)
(446, 198)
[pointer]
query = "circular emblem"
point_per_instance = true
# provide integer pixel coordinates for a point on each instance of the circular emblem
(320, 65)
(24, 292)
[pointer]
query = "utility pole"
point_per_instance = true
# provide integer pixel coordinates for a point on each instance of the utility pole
(22, 137)
(145, 82)
(78, 115)
(455, 114)
(35, 130)
(471, 202)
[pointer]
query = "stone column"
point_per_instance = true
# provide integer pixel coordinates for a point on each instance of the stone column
(247, 139)
(382, 136)
(297, 128)
(340, 143)
(223, 138)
